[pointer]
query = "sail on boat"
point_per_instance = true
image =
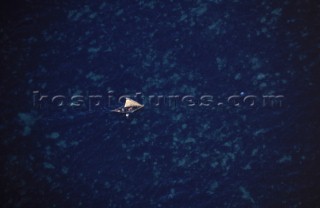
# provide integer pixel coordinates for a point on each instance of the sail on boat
(130, 106)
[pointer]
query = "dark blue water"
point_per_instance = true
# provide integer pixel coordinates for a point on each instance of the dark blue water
(220, 155)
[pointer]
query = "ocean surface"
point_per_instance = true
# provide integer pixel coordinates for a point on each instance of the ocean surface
(230, 92)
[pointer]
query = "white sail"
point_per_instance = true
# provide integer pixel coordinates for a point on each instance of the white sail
(129, 107)
(132, 103)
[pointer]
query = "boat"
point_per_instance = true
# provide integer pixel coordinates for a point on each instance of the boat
(130, 106)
